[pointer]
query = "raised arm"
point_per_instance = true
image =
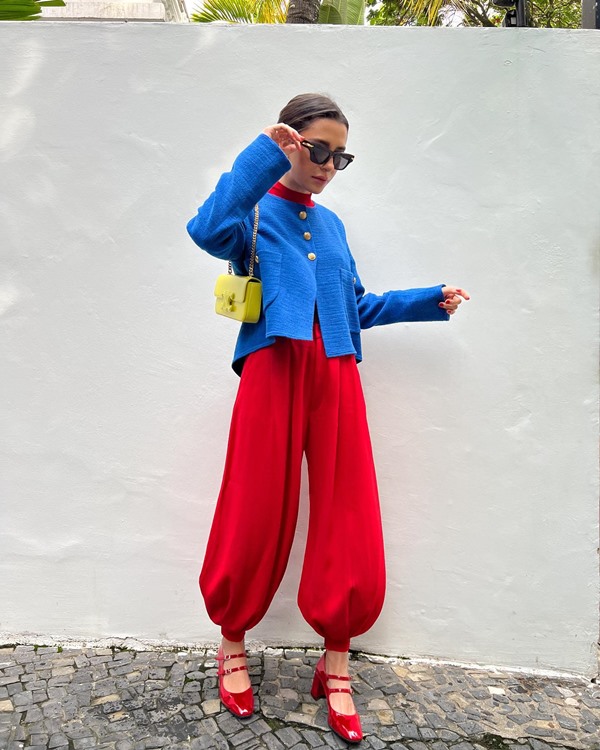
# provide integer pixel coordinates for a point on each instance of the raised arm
(218, 224)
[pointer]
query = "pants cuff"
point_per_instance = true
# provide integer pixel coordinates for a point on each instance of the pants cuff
(232, 635)
(334, 645)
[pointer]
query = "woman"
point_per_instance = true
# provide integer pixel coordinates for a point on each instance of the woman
(299, 393)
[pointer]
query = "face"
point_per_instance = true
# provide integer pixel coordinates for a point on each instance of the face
(306, 177)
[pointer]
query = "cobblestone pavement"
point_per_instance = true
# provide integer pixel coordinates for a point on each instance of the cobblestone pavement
(113, 699)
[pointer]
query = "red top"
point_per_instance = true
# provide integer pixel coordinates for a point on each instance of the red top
(292, 195)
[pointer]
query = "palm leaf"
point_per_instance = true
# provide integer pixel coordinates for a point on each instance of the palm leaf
(232, 11)
(18, 14)
(241, 11)
(329, 12)
(24, 10)
(350, 12)
(429, 8)
(271, 11)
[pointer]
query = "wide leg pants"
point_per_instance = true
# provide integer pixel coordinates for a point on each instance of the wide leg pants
(292, 399)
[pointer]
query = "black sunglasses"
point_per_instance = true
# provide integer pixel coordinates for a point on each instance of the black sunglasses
(321, 155)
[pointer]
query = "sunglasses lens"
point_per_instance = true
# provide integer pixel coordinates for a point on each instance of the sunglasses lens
(318, 154)
(341, 161)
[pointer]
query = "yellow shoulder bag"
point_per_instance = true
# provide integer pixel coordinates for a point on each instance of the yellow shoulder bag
(239, 297)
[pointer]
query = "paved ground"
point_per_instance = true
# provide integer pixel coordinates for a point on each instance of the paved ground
(110, 699)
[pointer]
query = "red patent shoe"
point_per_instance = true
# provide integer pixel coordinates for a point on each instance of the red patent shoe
(239, 704)
(347, 726)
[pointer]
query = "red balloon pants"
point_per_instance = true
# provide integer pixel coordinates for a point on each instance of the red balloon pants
(292, 400)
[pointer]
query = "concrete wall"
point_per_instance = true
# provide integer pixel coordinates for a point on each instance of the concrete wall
(478, 162)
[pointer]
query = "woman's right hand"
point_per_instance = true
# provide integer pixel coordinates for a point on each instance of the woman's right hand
(288, 139)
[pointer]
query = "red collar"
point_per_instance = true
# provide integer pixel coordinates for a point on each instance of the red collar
(281, 191)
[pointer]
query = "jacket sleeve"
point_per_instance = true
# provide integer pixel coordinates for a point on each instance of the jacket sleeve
(398, 306)
(218, 225)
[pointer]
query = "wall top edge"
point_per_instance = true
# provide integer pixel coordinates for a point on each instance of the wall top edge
(301, 28)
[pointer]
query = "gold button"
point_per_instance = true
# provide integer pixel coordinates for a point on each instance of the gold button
(302, 215)
(257, 260)
(312, 256)
(307, 235)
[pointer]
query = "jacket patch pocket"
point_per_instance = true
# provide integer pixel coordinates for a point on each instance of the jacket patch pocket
(269, 263)
(349, 300)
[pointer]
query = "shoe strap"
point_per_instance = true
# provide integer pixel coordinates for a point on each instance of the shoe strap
(339, 690)
(231, 670)
(337, 677)
(226, 657)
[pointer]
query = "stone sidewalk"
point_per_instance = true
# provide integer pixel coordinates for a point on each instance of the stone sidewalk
(112, 699)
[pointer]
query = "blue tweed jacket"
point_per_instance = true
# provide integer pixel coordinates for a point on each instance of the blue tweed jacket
(303, 261)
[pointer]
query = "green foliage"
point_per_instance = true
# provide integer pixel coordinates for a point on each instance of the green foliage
(241, 11)
(25, 10)
(349, 12)
(556, 14)
(546, 13)
(433, 13)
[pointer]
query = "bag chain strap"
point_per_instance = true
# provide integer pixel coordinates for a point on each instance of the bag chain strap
(253, 252)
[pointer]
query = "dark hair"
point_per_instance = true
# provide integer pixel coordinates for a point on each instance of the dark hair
(300, 111)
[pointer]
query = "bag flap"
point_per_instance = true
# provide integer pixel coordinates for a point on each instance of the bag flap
(229, 285)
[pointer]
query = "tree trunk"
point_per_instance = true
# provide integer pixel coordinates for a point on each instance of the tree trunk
(303, 11)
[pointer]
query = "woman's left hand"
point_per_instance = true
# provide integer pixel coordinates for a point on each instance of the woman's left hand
(453, 296)
(288, 139)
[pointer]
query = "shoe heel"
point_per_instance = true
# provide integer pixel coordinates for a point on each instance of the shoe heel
(317, 691)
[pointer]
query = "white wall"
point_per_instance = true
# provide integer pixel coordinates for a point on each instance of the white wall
(478, 162)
